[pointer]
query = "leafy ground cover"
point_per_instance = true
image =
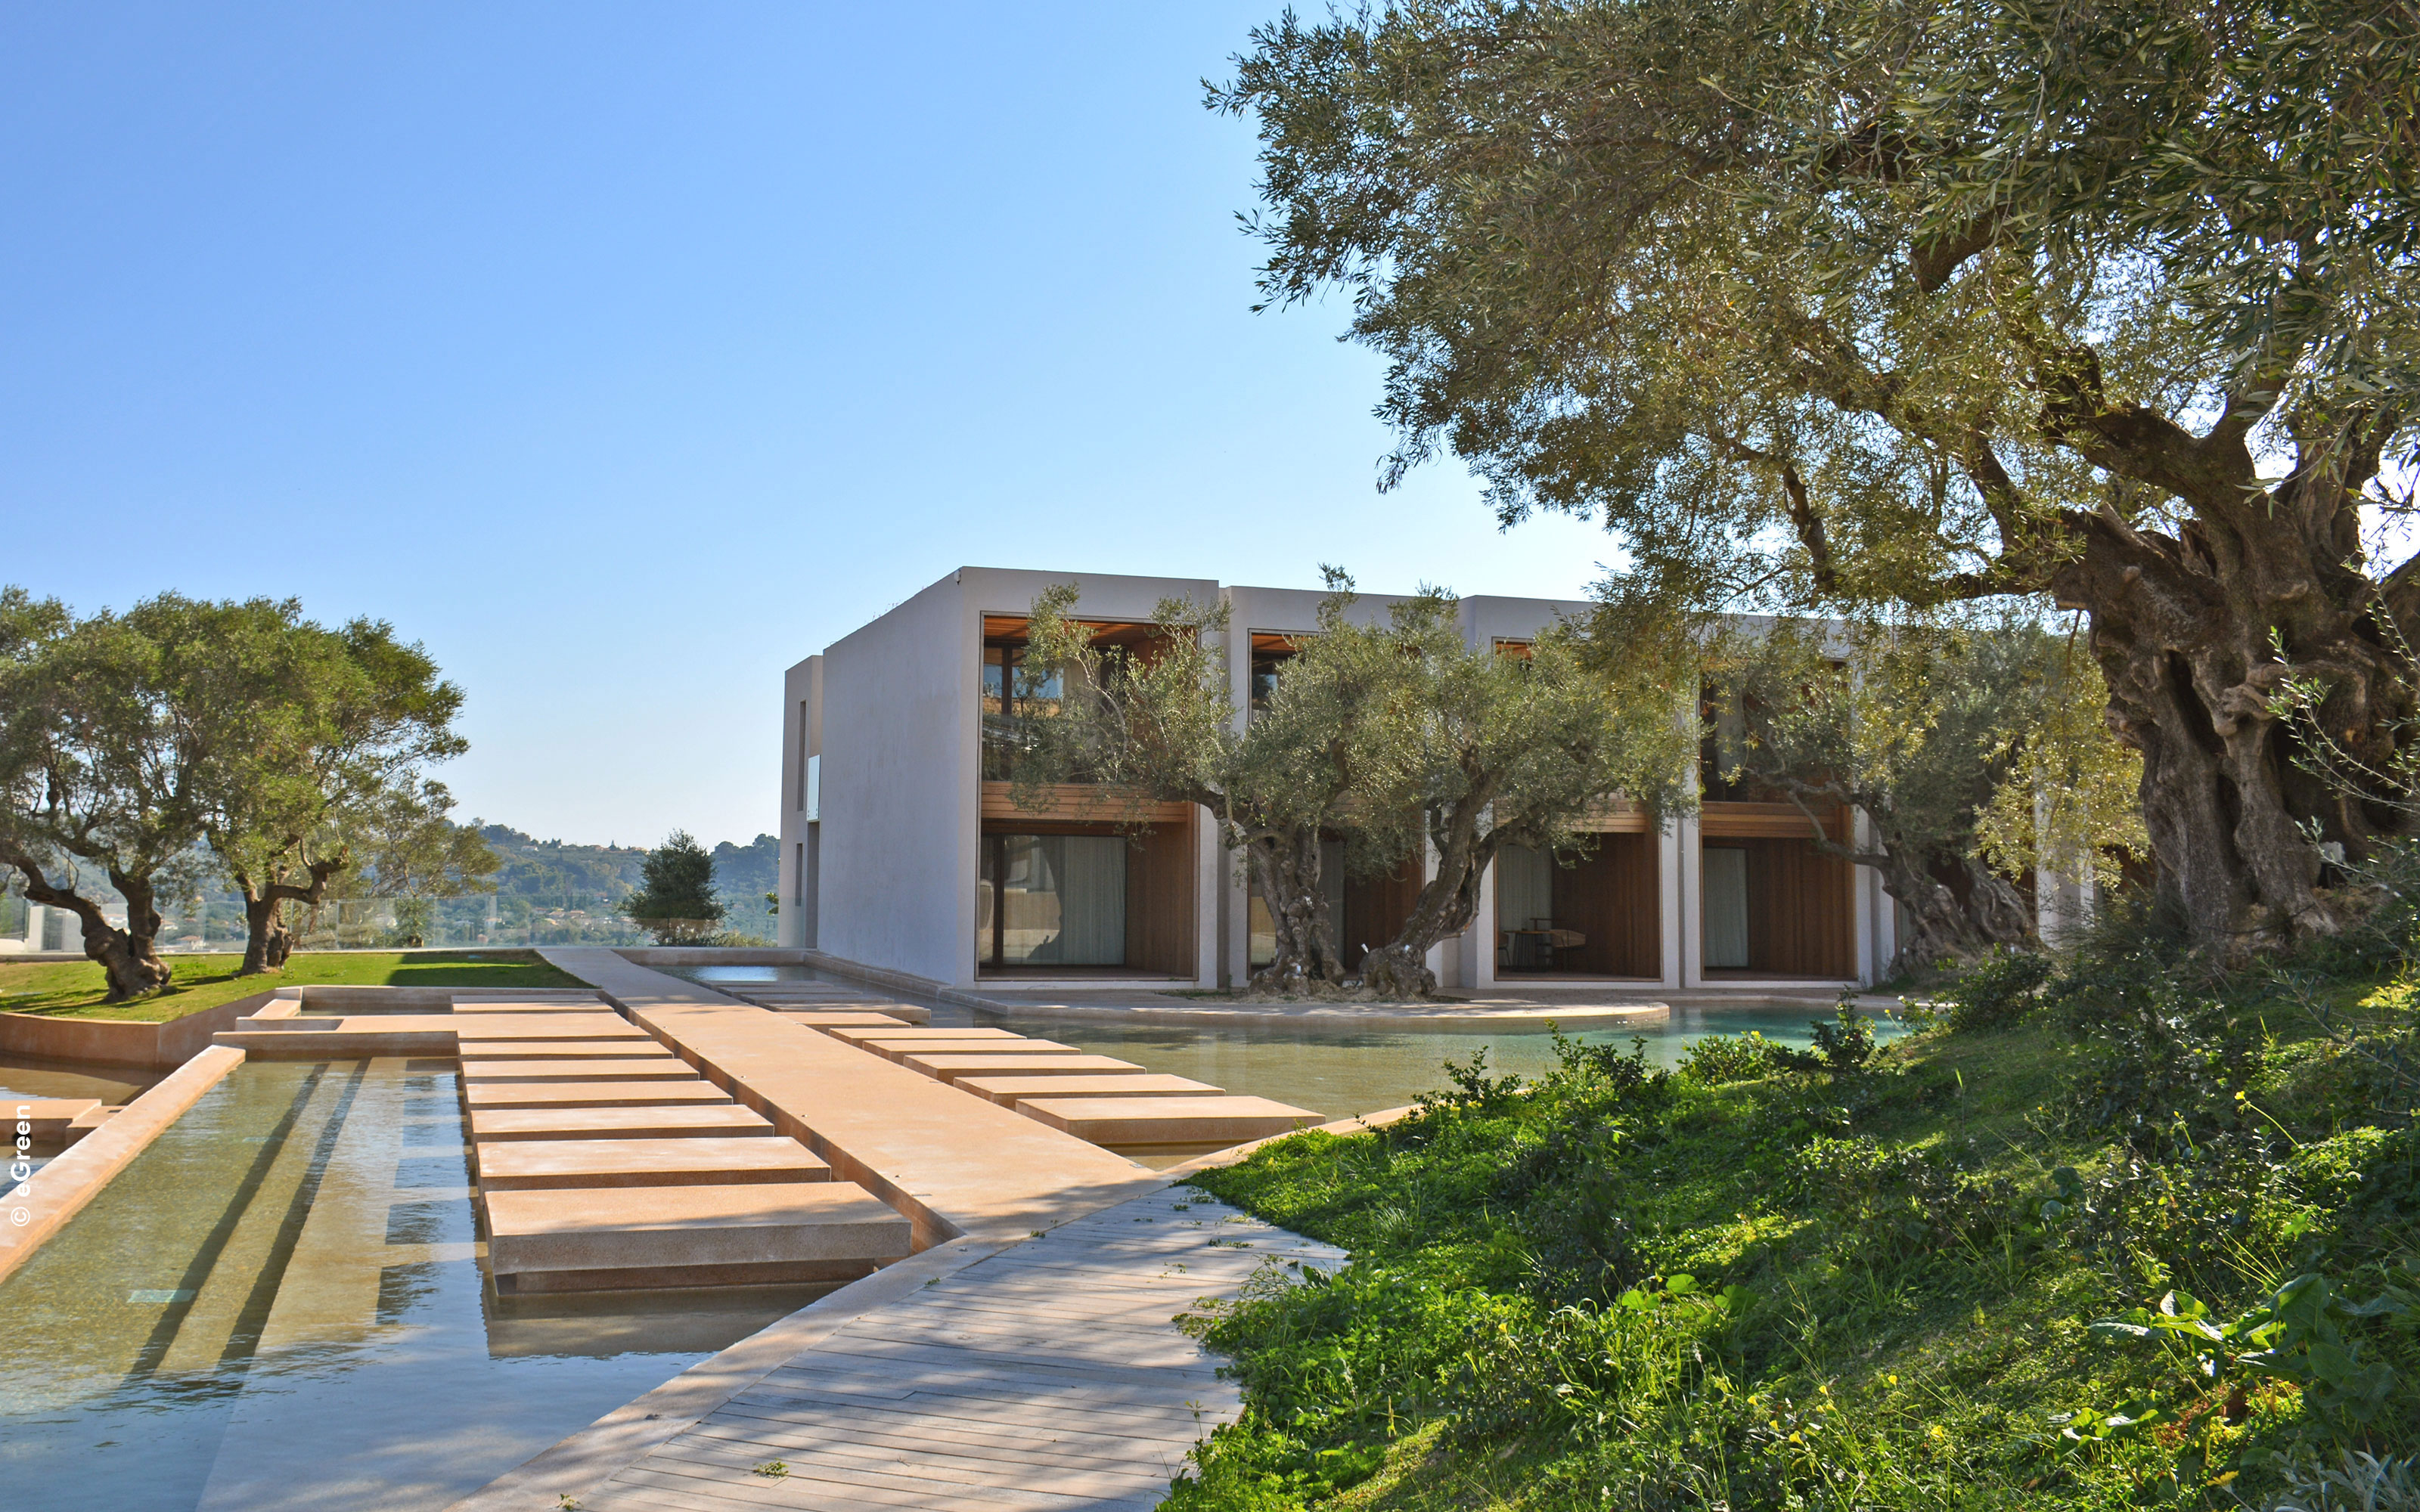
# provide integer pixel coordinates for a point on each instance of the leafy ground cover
(75, 989)
(2110, 1237)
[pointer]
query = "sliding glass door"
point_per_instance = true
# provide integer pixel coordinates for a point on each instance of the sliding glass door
(1051, 901)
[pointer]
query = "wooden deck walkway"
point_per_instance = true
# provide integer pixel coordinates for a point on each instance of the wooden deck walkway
(1048, 1376)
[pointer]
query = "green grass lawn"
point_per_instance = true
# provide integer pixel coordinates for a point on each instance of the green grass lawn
(75, 989)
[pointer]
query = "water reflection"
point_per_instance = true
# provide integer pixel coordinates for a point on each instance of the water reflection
(280, 1305)
(1340, 1070)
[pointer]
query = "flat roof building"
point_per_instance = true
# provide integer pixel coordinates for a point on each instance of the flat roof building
(901, 850)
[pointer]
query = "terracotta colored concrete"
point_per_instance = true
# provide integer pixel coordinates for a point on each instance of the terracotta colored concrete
(571, 1050)
(843, 1019)
(663, 1068)
(331, 1039)
(568, 1005)
(45, 1119)
(612, 1123)
(1006, 1090)
(855, 1036)
(86, 1122)
(117, 1042)
(954, 1162)
(690, 1093)
(791, 1228)
(34, 1210)
(531, 1164)
(949, 1068)
(897, 1050)
(1167, 1120)
(474, 1027)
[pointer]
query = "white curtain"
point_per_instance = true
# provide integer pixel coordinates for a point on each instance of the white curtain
(1091, 876)
(1725, 900)
(1525, 888)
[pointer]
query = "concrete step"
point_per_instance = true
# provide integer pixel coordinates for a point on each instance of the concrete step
(750, 1233)
(1007, 1090)
(856, 1036)
(91, 1119)
(607, 1094)
(492, 1124)
(45, 1119)
(471, 1027)
(565, 1005)
(1167, 1120)
(533, 1164)
(901, 1049)
(842, 1019)
(950, 1066)
(580, 1069)
(566, 1050)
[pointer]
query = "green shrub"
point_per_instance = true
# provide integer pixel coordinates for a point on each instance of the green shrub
(1718, 1059)
(1995, 992)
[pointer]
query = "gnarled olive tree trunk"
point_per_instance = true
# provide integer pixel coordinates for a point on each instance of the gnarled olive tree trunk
(129, 957)
(1285, 867)
(2189, 628)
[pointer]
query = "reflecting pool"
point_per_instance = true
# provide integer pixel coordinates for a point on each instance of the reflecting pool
(280, 1304)
(1339, 1070)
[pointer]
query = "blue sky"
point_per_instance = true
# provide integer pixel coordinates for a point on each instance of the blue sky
(625, 355)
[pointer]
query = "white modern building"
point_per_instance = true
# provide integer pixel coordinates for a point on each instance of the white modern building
(899, 851)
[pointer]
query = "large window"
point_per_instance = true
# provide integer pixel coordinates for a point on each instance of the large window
(1051, 900)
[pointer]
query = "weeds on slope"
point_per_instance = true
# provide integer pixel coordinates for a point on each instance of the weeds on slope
(2112, 1236)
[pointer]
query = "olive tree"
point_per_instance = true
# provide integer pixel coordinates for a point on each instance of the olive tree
(328, 788)
(1973, 749)
(1160, 724)
(112, 733)
(1893, 305)
(1484, 746)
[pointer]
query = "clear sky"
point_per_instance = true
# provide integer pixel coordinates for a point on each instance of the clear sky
(626, 354)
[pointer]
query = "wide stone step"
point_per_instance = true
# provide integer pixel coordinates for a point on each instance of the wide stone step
(569, 1005)
(901, 1049)
(857, 1036)
(1167, 1120)
(534, 1165)
(950, 1066)
(1007, 1090)
(45, 1119)
(693, 1092)
(472, 1029)
(492, 1124)
(748, 1233)
(828, 1018)
(567, 1050)
(91, 1119)
(667, 1068)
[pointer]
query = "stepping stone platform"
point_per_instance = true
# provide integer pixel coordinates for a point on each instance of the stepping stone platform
(1007, 1090)
(488, 1125)
(475, 1027)
(585, 1005)
(757, 1232)
(858, 1036)
(567, 1050)
(828, 1018)
(900, 1050)
(609, 1094)
(45, 1119)
(1170, 1121)
(949, 1066)
(532, 1164)
(665, 1068)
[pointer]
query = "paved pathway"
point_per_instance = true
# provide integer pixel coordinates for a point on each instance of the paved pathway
(1048, 1376)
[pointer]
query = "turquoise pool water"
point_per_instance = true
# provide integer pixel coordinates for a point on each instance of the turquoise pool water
(280, 1305)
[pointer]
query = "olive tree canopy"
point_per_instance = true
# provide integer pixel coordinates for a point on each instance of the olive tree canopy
(1897, 305)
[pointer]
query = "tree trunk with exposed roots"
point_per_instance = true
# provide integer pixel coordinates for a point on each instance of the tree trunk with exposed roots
(129, 957)
(1285, 867)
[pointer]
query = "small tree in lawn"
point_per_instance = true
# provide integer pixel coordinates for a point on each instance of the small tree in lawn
(330, 788)
(676, 899)
(114, 732)
(1484, 748)
(1160, 725)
